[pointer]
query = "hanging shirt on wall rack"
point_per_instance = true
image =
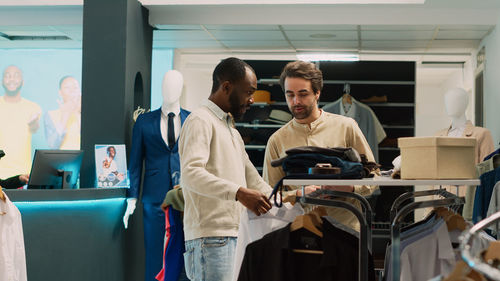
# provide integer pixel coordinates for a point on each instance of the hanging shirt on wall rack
(366, 119)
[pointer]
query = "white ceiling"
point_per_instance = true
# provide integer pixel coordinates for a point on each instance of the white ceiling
(453, 28)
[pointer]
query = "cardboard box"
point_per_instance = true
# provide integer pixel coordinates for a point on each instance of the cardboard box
(437, 158)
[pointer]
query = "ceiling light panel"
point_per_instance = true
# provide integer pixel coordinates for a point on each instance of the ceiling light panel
(337, 35)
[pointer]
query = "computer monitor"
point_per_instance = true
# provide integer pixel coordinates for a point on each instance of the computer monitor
(53, 169)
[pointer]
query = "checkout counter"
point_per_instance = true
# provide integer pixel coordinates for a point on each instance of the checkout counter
(78, 234)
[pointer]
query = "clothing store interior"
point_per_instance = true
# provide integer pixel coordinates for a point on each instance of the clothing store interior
(249, 140)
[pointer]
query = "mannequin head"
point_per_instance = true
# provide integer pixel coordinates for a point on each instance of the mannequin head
(456, 101)
(172, 89)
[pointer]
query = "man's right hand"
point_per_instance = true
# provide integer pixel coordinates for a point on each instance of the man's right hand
(254, 200)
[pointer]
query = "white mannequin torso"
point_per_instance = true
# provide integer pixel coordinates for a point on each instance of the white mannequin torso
(171, 92)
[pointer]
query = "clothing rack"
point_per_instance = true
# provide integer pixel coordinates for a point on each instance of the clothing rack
(364, 227)
(472, 260)
(388, 182)
(367, 210)
(450, 200)
(413, 194)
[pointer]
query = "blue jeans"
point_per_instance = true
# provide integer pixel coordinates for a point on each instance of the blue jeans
(210, 258)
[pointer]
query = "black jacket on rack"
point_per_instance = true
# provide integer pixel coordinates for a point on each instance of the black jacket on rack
(272, 257)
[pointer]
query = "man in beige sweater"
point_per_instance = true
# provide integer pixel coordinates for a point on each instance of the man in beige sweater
(302, 83)
(217, 177)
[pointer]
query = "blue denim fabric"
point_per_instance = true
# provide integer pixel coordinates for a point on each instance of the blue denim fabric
(483, 194)
(210, 258)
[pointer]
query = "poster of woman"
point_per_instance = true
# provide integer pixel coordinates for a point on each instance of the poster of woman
(111, 165)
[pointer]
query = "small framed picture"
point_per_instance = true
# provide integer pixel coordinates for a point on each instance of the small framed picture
(111, 165)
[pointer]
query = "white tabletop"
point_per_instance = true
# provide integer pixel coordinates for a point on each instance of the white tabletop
(385, 181)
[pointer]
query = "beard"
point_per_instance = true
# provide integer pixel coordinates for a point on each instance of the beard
(12, 93)
(237, 110)
(304, 113)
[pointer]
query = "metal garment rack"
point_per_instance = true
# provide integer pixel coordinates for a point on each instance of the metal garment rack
(363, 267)
(364, 228)
(450, 200)
(472, 260)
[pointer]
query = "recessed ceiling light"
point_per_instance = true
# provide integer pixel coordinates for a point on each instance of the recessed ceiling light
(322, 35)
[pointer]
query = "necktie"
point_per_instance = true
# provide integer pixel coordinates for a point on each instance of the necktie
(170, 130)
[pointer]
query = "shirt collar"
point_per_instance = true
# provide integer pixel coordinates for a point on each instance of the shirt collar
(177, 111)
(217, 110)
(313, 123)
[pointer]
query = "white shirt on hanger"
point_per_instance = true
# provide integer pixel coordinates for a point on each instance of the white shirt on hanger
(12, 254)
(254, 227)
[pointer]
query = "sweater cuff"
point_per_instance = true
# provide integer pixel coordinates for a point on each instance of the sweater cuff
(231, 194)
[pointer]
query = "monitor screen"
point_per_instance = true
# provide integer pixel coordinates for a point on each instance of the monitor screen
(55, 169)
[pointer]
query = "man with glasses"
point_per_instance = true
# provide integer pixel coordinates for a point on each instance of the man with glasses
(302, 83)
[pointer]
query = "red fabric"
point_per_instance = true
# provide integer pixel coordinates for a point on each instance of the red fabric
(161, 274)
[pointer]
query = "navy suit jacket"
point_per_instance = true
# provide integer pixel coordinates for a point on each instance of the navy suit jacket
(162, 166)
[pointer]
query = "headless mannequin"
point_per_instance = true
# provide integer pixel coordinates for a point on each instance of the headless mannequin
(456, 102)
(171, 92)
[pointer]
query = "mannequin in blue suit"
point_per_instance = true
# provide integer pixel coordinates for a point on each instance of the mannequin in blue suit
(151, 144)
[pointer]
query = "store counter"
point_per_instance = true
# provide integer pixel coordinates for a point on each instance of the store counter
(76, 234)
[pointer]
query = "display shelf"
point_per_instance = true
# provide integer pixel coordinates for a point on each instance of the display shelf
(255, 147)
(381, 181)
(390, 104)
(388, 148)
(354, 82)
(398, 126)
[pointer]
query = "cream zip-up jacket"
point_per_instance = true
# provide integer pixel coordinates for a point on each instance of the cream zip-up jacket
(214, 165)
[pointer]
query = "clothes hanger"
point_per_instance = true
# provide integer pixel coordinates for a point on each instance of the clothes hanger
(462, 272)
(453, 220)
(493, 252)
(346, 98)
(311, 222)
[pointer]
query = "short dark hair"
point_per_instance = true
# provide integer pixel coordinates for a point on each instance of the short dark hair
(109, 148)
(64, 78)
(305, 70)
(230, 69)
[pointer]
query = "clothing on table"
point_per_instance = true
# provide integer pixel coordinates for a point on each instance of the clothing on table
(253, 227)
(15, 136)
(12, 253)
(161, 173)
(272, 257)
(366, 119)
(492, 154)
(329, 130)
(484, 146)
(210, 146)
(484, 193)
